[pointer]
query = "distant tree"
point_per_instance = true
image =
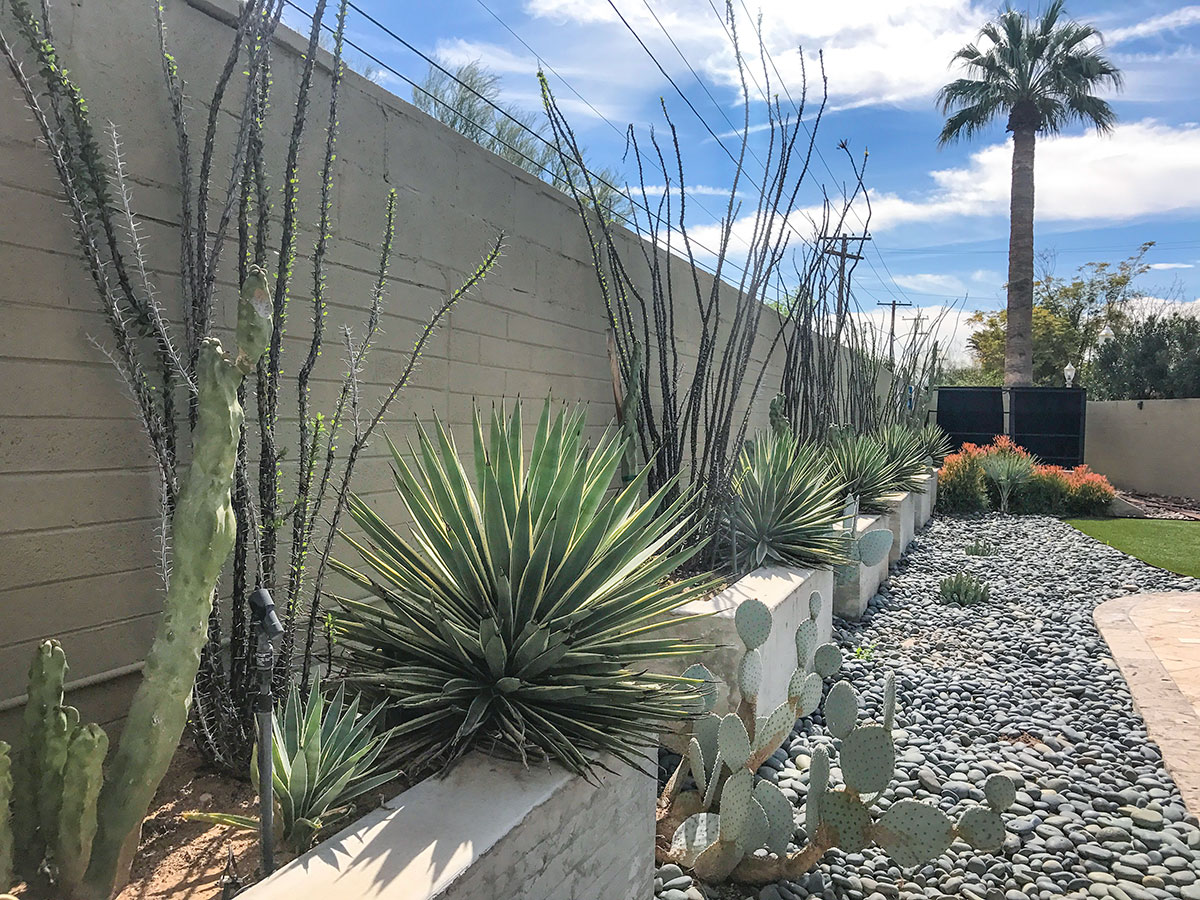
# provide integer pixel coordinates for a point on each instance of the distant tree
(1041, 74)
(1153, 358)
(1068, 316)
(468, 100)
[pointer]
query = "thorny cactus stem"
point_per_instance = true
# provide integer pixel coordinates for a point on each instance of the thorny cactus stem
(6, 835)
(202, 534)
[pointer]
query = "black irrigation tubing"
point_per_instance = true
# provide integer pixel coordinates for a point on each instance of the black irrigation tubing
(375, 59)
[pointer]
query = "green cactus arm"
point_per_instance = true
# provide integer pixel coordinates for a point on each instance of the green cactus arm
(6, 830)
(202, 533)
(47, 673)
(82, 777)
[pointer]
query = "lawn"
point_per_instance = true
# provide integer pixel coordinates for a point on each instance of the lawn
(1166, 543)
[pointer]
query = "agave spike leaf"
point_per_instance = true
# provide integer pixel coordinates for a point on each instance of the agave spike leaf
(786, 502)
(904, 447)
(864, 467)
(535, 585)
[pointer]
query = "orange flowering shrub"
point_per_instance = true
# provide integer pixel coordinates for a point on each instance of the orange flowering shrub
(1051, 490)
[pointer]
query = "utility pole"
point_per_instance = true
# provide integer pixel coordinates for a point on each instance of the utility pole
(843, 254)
(893, 303)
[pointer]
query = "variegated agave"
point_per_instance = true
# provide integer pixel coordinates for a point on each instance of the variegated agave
(904, 447)
(865, 468)
(935, 443)
(323, 755)
(785, 504)
(520, 616)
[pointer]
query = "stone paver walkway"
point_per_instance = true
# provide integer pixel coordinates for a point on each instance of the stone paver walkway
(1155, 639)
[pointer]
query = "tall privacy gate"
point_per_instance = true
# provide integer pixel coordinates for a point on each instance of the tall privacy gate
(1048, 422)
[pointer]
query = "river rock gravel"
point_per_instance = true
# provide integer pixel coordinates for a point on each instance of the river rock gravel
(1022, 685)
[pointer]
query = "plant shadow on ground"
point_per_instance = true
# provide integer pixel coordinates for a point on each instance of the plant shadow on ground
(1169, 544)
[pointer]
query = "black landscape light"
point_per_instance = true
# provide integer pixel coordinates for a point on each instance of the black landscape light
(267, 628)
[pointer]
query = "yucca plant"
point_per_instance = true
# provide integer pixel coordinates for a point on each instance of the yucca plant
(520, 617)
(324, 755)
(786, 502)
(863, 466)
(904, 447)
(935, 443)
(1007, 471)
(980, 548)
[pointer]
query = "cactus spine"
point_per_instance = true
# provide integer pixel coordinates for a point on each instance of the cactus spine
(202, 534)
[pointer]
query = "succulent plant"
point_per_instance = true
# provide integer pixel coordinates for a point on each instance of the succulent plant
(721, 828)
(935, 443)
(963, 589)
(784, 506)
(869, 548)
(864, 467)
(65, 818)
(521, 613)
(904, 447)
(980, 548)
(324, 756)
(1007, 472)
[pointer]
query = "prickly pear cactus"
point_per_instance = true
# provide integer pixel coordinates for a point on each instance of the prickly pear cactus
(720, 828)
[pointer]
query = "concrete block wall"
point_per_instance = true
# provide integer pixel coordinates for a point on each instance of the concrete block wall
(489, 829)
(77, 485)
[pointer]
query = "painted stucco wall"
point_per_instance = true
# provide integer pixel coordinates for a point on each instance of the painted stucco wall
(77, 486)
(1146, 445)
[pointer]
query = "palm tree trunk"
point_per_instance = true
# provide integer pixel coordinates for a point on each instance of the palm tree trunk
(1018, 349)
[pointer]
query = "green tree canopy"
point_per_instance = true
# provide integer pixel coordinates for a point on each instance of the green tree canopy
(1153, 358)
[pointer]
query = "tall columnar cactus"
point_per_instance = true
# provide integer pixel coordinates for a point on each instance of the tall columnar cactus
(717, 828)
(64, 820)
(54, 783)
(202, 534)
(6, 835)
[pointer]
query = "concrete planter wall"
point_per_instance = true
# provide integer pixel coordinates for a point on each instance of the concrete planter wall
(925, 500)
(850, 596)
(785, 591)
(488, 829)
(899, 518)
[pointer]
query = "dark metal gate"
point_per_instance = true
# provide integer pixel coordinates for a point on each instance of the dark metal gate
(1048, 422)
(972, 415)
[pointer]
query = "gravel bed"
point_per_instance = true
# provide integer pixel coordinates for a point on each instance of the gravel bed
(1022, 685)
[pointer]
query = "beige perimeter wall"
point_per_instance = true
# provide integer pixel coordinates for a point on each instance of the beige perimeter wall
(78, 498)
(1146, 445)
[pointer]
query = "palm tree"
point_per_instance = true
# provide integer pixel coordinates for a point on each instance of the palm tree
(1042, 74)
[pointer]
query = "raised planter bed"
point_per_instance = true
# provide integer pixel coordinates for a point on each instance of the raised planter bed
(850, 596)
(899, 518)
(923, 507)
(488, 829)
(786, 593)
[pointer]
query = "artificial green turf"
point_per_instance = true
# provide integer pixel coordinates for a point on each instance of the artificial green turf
(1167, 543)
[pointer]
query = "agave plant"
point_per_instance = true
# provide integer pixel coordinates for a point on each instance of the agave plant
(785, 504)
(903, 447)
(520, 617)
(324, 755)
(864, 467)
(963, 589)
(1007, 471)
(935, 443)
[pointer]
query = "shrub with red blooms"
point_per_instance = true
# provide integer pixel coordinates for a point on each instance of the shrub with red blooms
(1052, 490)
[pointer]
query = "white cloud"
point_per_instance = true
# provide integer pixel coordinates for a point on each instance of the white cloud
(947, 325)
(888, 51)
(986, 276)
(702, 190)
(1143, 168)
(1168, 265)
(1177, 18)
(931, 283)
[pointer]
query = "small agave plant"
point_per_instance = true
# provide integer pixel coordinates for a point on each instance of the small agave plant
(736, 825)
(869, 548)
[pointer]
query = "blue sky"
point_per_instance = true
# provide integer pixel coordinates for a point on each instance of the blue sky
(939, 219)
